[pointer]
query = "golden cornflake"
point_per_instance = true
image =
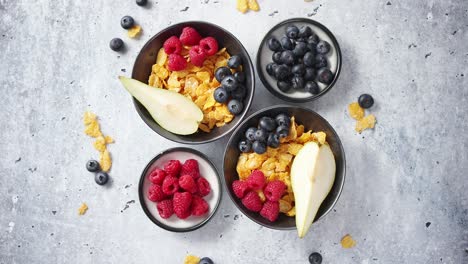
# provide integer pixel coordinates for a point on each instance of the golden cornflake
(242, 5)
(109, 139)
(100, 144)
(88, 118)
(105, 161)
(82, 210)
(190, 259)
(134, 31)
(348, 242)
(365, 123)
(355, 111)
(253, 5)
(93, 129)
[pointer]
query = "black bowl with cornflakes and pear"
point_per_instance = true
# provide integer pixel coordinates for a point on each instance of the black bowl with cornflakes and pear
(145, 60)
(311, 121)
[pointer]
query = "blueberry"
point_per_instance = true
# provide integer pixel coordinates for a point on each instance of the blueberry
(273, 140)
(222, 72)
(101, 178)
(292, 32)
(205, 260)
(324, 75)
(282, 72)
(234, 62)
(239, 93)
(267, 123)
(313, 39)
(245, 146)
(230, 83)
(276, 57)
(300, 49)
(312, 87)
(127, 22)
(274, 44)
(286, 43)
(310, 74)
(284, 86)
(116, 44)
(297, 83)
(309, 59)
(305, 32)
(221, 95)
(320, 61)
(240, 76)
(298, 69)
(282, 131)
(261, 135)
(141, 2)
(250, 133)
(315, 258)
(366, 101)
(92, 166)
(270, 68)
(259, 147)
(323, 47)
(235, 106)
(283, 120)
(287, 57)
(301, 40)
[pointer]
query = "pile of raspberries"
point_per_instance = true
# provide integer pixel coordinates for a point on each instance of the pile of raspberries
(248, 190)
(199, 51)
(179, 189)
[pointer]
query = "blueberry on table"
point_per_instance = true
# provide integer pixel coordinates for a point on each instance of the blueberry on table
(127, 22)
(250, 133)
(230, 83)
(324, 75)
(300, 49)
(309, 74)
(274, 44)
(222, 72)
(282, 72)
(305, 32)
(284, 86)
(267, 123)
(259, 147)
(141, 2)
(276, 57)
(116, 44)
(283, 120)
(235, 106)
(366, 100)
(292, 32)
(205, 260)
(240, 77)
(234, 62)
(101, 178)
(309, 59)
(287, 57)
(298, 69)
(312, 87)
(273, 140)
(221, 95)
(282, 131)
(270, 68)
(297, 83)
(93, 166)
(320, 61)
(261, 135)
(239, 93)
(315, 258)
(286, 43)
(245, 146)
(323, 47)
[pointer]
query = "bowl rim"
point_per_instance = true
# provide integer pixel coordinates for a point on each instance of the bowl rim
(246, 106)
(338, 140)
(312, 97)
(141, 195)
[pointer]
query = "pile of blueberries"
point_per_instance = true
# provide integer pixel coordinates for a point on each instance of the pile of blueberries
(232, 90)
(268, 133)
(299, 60)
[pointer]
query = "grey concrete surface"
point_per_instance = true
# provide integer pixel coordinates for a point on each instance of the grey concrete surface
(405, 199)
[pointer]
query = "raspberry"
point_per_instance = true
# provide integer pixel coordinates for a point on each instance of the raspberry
(155, 193)
(189, 36)
(172, 168)
(176, 62)
(274, 190)
(187, 183)
(170, 185)
(197, 56)
(172, 45)
(157, 176)
(199, 206)
(209, 45)
(270, 211)
(203, 187)
(190, 167)
(256, 180)
(240, 188)
(181, 203)
(165, 208)
(252, 201)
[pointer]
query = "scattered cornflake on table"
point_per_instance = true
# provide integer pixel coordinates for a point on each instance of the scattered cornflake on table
(191, 259)
(355, 111)
(358, 113)
(245, 5)
(92, 129)
(365, 123)
(134, 31)
(82, 210)
(348, 242)
(253, 5)
(105, 161)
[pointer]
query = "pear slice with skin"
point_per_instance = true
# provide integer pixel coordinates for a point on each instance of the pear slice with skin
(312, 176)
(171, 110)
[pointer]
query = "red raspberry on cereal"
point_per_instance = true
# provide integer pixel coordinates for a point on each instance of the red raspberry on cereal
(157, 176)
(155, 193)
(199, 206)
(181, 203)
(187, 183)
(270, 210)
(203, 186)
(165, 208)
(190, 167)
(209, 45)
(189, 36)
(197, 55)
(240, 188)
(172, 45)
(252, 201)
(274, 190)
(176, 62)
(172, 168)
(256, 180)
(170, 185)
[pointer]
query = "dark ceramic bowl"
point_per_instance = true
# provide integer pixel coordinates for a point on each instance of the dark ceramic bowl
(264, 56)
(207, 170)
(312, 121)
(147, 57)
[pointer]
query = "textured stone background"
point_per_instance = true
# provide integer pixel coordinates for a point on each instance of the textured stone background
(405, 198)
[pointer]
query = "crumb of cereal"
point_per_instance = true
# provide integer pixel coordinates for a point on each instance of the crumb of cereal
(253, 5)
(191, 259)
(109, 139)
(365, 123)
(105, 161)
(93, 129)
(100, 144)
(88, 118)
(347, 241)
(134, 31)
(242, 6)
(355, 111)
(82, 210)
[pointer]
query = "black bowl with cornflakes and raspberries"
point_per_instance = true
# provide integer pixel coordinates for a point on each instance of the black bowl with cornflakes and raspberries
(234, 167)
(218, 118)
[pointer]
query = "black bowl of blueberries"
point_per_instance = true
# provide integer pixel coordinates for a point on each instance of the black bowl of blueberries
(299, 60)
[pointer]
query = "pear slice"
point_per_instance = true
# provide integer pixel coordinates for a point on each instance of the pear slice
(171, 110)
(312, 176)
